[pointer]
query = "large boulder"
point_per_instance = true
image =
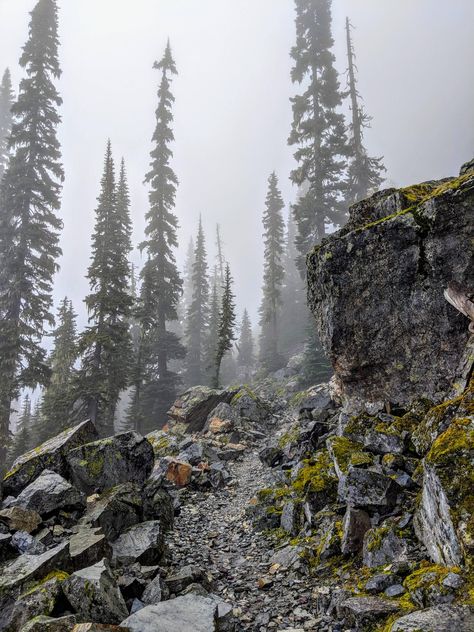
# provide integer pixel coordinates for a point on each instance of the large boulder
(51, 455)
(108, 462)
(115, 509)
(94, 595)
(437, 619)
(87, 547)
(49, 493)
(445, 518)
(194, 405)
(143, 543)
(376, 291)
(191, 613)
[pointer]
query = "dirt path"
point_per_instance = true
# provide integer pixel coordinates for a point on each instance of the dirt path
(213, 533)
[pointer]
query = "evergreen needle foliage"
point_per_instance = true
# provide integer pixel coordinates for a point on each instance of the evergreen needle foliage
(155, 385)
(29, 226)
(246, 348)
(6, 118)
(318, 128)
(106, 345)
(226, 329)
(273, 275)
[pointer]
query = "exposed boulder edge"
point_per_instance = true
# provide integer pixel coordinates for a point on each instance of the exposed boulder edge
(400, 340)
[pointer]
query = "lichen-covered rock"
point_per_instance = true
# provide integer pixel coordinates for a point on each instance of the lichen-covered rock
(376, 290)
(103, 464)
(444, 520)
(94, 594)
(51, 455)
(19, 519)
(43, 623)
(27, 568)
(191, 613)
(98, 627)
(437, 619)
(88, 546)
(364, 611)
(385, 545)
(41, 599)
(48, 493)
(157, 503)
(194, 405)
(143, 543)
(115, 509)
(369, 489)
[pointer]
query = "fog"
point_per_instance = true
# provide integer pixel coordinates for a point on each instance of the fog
(232, 111)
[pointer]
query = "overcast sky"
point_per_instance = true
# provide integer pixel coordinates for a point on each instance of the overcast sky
(232, 113)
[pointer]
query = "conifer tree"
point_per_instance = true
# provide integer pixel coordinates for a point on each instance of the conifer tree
(210, 348)
(198, 314)
(155, 383)
(273, 275)
(245, 346)
(318, 129)
(220, 261)
(365, 173)
(226, 329)
(294, 310)
(188, 277)
(22, 438)
(106, 343)
(37, 436)
(6, 118)
(59, 397)
(29, 226)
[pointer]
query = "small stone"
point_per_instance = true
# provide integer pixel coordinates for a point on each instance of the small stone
(379, 583)
(184, 577)
(18, 519)
(25, 543)
(264, 583)
(453, 580)
(395, 591)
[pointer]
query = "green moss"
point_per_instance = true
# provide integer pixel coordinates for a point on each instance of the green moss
(375, 537)
(427, 576)
(347, 453)
(59, 576)
(456, 441)
(316, 475)
(291, 436)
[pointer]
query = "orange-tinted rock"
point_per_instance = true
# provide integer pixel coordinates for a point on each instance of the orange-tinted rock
(179, 473)
(218, 426)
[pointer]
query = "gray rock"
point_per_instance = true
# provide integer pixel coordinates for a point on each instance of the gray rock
(190, 613)
(376, 290)
(25, 543)
(26, 568)
(437, 619)
(291, 517)
(433, 522)
(354, 527)
(453, 580)
(49, 493)
(363, 611)
(197, 453)
(51, 455)
(143, 543)
(108, 462)
(153, 593)
(157, 503)
(87, 547)
(18, 519)
(50, 624)
(397, 590)
(248, 405)
(94, 595)
(194, 405)
(378, 583)
(187, 575)
(383, 545)
(369, 489)
(384, 442)
(115, 510)
(6, 549)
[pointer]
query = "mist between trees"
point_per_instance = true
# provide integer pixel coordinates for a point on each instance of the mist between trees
(154, 331)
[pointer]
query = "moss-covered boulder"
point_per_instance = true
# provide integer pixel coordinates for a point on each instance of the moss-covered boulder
(50, 455)
(436, 619)
(445, 518)
(115, 509)
(376, 290)
(103, 464)
(50, 493)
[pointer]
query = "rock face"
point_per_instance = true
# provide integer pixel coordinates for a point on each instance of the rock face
(108, 462)
(376, 291)
(194, 406)
(50, 455)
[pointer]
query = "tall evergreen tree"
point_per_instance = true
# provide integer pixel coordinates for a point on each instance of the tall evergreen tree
(210, 346)
(273, 275)
(365, 173)
(29, 227)
(6, 118)
(106, 342)
(22, 438)
(58, 400)
(318, 129)
(188, 276)
(226, 329)
(294, 309)
(220, 261)
(246, 348)
(198, 315)
(155, 383)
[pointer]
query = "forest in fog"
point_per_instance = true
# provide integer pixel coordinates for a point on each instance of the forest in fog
(174, 320)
